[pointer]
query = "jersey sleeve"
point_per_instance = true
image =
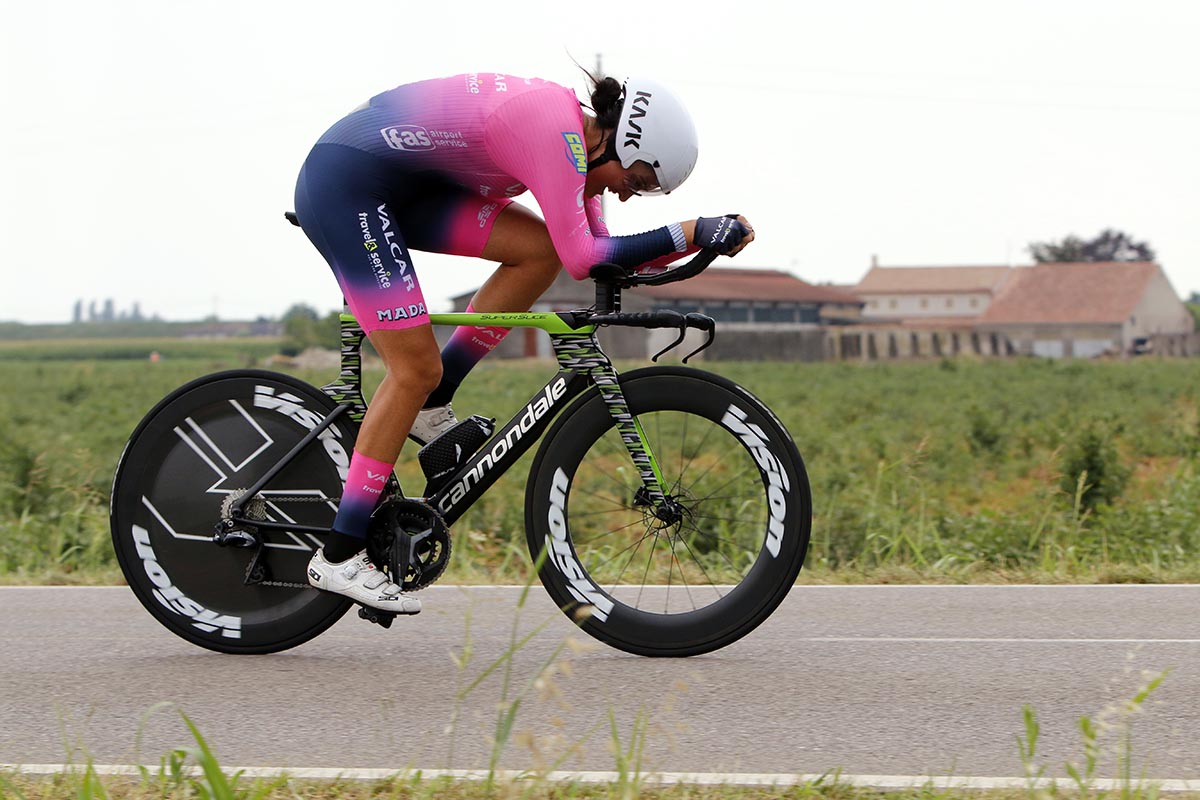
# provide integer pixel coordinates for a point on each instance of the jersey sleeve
(595, 215)
(536, 138)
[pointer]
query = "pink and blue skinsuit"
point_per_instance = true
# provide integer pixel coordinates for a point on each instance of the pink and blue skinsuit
(430, 165)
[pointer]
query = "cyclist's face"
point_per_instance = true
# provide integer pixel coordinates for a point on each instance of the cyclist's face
(640, 179)
(624, 183)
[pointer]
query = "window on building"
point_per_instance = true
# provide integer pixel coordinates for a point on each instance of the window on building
(728, 312)
(924, 302)
(949, 302)
(810, 313)
(775, 312)
(892, 303)
(974, 302)
(874, 304)
(682, 306)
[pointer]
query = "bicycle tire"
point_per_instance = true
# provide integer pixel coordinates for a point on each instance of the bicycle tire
(206, 440)
(753, 524)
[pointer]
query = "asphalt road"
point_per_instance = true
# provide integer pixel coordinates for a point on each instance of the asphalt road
(868, 680)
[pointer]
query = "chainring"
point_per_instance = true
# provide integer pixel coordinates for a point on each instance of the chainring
(390, 533)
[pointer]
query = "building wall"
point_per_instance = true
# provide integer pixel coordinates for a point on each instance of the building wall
(928, 304)
(1160, 311)
(1063, 341)
(767, 343)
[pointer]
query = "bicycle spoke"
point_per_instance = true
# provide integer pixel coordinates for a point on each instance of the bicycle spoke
(594, 539)
(718, 539)
(682, 577)
(683, 469)
(621, 574)
(721, 553)
(578, 514)
(696, 481)
(619, 504)
(727, 519)
(617, 449)
(703, 570)
(709, 536)
(682, 450)
(722, 487)
(754, 497)
(649, 561)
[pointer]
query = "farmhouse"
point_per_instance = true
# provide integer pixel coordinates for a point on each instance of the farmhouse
(954, 293)
(1085, 310)
(1053, 309)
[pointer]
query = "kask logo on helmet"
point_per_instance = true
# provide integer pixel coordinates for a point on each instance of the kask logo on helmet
(638, 108)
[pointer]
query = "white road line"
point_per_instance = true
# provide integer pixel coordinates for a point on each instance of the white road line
(447, 587)
(983, 640)
(656, 779)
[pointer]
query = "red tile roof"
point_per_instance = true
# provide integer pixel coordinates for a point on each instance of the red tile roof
(1071, 293)
(931, 280)
(733, 283)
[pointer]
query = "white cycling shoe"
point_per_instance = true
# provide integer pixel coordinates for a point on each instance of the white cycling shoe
(432, 423)
(360, 580)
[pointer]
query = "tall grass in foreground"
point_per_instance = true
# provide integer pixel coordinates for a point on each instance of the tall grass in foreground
(195, 772)
(954, 471)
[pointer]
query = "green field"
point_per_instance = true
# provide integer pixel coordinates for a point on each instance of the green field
(951, 471)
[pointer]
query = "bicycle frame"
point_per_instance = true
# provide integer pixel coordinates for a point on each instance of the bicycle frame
(582, 363)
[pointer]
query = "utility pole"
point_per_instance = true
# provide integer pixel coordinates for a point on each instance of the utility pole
(600, 77)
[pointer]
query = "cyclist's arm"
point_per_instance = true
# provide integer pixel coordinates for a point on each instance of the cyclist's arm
(526, 138)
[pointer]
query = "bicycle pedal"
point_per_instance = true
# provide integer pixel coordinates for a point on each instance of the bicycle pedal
(441, 457)
(382, 618)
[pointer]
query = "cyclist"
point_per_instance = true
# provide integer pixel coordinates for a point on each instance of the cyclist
(433, 166)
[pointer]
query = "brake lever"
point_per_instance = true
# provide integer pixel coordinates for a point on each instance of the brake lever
(704, 323)
(683, 326)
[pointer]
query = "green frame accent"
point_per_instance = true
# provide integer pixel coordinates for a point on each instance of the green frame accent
(548, 321)
(576, 350)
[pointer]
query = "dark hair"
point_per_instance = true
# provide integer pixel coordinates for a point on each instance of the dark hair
(608, 95)
(607, 99)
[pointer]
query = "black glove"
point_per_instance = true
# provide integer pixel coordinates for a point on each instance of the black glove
(720, 234)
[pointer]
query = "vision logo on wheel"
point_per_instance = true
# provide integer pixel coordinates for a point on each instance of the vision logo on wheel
(292, 407)
(778, 484)
(561, 555)
(175, 600)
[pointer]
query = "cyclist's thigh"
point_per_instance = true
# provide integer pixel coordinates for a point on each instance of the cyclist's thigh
(520, 236)
(342, 202)
(440, 216)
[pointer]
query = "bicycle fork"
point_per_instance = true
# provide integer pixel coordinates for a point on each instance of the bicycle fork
(581, 353)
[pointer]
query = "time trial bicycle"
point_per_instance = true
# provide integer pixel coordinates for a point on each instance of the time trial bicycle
(667, 508)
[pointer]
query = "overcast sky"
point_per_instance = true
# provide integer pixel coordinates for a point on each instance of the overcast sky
(151, 146)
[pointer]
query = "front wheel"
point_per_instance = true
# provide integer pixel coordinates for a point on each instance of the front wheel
(697, 572)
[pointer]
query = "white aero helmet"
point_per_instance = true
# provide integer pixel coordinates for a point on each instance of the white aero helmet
(657, 129)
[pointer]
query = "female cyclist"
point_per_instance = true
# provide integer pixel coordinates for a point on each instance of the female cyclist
(433, 166)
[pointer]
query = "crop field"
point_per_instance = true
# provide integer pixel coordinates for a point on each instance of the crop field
(951, 471)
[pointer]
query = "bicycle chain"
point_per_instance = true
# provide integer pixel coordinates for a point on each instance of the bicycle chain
(258, 506)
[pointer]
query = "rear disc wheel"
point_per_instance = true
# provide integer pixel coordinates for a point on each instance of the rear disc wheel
(199, 447)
